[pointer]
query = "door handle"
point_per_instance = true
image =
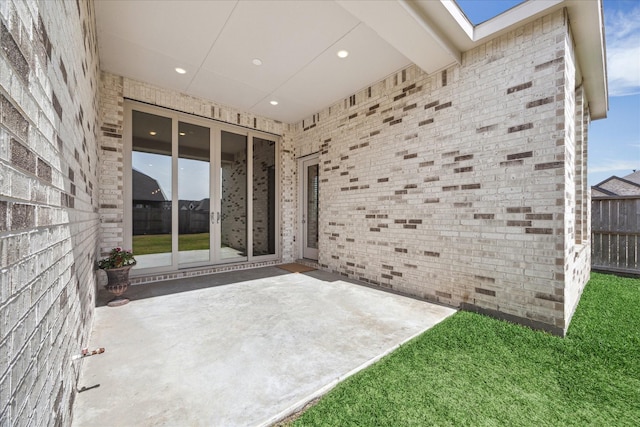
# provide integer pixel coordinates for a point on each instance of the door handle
(215, 217)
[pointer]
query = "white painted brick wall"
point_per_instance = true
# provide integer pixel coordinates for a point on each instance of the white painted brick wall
(48, 205)
(578, 202)
(451, 186)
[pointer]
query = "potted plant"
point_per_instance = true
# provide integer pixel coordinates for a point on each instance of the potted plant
(117, 266)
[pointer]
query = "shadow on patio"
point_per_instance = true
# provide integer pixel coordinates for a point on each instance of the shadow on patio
(241, 348)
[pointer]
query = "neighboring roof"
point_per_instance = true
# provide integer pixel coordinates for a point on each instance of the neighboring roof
(616, 186)
(203, 205)
(194, 205)
(633, 177)
(297, 41)
(146, 188)
(599, 192)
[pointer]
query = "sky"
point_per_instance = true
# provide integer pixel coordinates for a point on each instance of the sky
(191, 184)
(614, 142)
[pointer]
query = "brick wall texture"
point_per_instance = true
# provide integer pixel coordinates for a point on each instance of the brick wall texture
(465, 187)
(460, 186)
(48, 204)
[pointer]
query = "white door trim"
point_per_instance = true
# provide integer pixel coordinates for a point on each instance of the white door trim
(303, 164)
(216, 129)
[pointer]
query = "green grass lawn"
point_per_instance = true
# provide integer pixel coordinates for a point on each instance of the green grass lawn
(477, 371)
(160, 243)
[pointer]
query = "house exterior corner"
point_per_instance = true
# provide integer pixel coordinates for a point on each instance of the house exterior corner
(461, 187)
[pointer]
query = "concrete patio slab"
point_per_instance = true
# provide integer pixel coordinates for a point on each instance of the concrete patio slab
(243, 348)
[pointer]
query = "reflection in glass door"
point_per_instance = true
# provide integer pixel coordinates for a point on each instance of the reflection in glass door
(194, 213)
(311, 190)
(200, 192)
(233, 199)
(151, 189)
(264, 197)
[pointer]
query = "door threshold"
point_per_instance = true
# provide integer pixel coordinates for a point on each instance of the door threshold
(199, 271)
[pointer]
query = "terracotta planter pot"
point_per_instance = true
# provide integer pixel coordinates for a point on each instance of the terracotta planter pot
(117, 284)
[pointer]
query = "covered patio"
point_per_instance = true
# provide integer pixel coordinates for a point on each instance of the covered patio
(239, 348)
(393, 143)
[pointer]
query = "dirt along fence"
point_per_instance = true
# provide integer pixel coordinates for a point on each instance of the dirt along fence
(615, 234)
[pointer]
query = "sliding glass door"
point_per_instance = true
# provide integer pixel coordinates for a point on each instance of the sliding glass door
(151, 189)
(199, 192)
(233, 200)
(194, 193)
(264, 197)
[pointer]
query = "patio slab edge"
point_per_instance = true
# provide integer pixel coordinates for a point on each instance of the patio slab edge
(300, 404)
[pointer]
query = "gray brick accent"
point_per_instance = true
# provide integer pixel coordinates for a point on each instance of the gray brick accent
(47, 246)
(488, 184)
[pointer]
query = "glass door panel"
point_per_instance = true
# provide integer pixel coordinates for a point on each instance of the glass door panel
(151, 190)
(264, 197)
(311, 190)
(194, 213)
(199, 195)
(233, 196)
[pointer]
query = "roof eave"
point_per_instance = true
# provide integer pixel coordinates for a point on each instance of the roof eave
(587, 24)
(586, 19)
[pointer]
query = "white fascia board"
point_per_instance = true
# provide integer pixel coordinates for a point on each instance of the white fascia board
(466, 36)
(432, 30)
(433, 34)
(405, 28)
(458, 15)
(587, 26)
(516, 16)
(591, 53)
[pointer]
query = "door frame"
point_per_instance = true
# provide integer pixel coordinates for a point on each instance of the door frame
(217, 127)
(214, 164)
(302, 164)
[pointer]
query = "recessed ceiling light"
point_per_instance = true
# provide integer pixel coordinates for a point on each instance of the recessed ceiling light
(153, 133)
(180, 70)
(182, 134)
(256, 61)
(342, 54)
(273, 102)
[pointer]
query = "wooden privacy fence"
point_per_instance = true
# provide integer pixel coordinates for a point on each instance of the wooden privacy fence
(158, 221)
(615, 234)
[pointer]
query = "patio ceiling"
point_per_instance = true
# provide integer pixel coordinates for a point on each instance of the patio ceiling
(297, 42)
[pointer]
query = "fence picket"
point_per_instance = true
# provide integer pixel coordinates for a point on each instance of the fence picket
(615, 234)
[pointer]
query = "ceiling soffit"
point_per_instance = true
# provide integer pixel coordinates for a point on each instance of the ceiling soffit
(297, 42)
